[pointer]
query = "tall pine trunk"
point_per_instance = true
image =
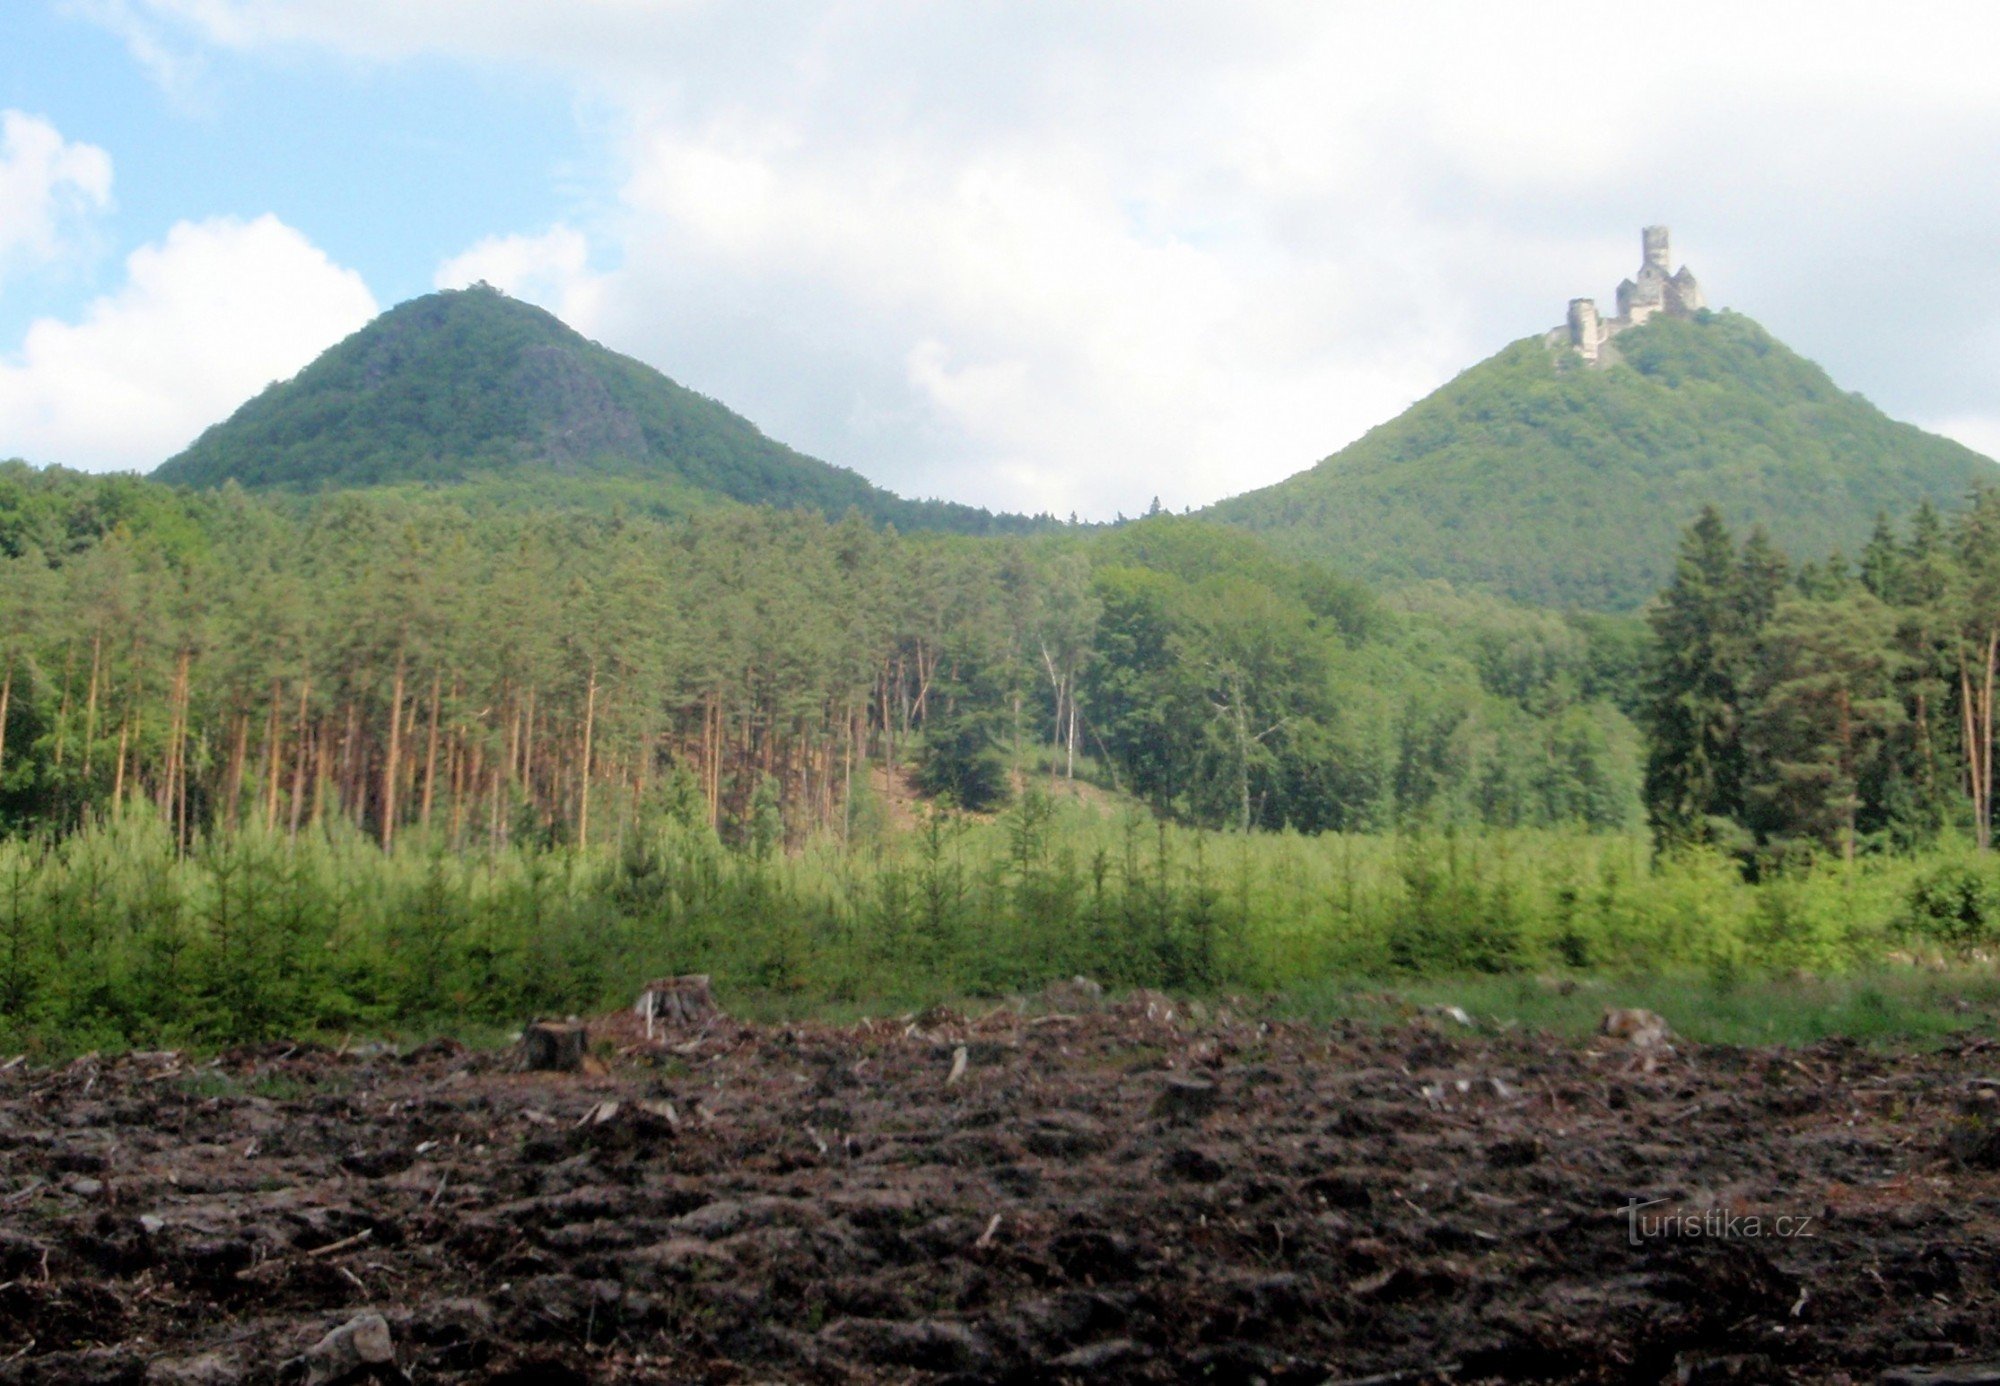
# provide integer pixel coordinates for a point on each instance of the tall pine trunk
(589, 733)
(431, 751)
(392, 764)
(118, 775)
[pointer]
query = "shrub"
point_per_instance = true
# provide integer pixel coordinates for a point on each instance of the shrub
(1955, 905)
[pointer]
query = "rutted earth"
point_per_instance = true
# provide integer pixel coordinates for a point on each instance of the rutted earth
(1115, 1195)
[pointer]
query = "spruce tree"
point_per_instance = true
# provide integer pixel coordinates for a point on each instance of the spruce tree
(1694, 768)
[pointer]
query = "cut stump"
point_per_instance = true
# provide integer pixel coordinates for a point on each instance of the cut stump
(676, 1002)
(551, 1046)
(1186, 1099)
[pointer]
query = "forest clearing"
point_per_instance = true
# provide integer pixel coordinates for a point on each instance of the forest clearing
(1060, 1189)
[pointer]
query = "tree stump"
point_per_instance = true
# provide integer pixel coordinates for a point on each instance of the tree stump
(1186, 1099)
(551, 1046)
(676, 1002)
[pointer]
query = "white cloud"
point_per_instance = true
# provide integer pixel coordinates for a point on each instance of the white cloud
(551, 270)
(1036, 254)
(204, 320)
(47, 185)
(175, 65)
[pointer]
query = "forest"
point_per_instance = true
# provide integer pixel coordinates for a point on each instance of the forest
(384, 758)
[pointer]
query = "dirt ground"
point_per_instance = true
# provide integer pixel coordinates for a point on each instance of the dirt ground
(1122, 1194)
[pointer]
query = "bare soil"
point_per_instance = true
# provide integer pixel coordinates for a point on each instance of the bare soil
(1123, 1195)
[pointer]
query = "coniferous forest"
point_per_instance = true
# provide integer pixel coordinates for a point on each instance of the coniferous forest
(378, 759)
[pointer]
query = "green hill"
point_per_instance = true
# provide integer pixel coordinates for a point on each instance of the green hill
(471, 387)
(1556, 483)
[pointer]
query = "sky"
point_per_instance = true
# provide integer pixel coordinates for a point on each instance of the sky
(1065, 257)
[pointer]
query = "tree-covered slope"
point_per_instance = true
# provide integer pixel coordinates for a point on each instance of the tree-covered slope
(473, 386)
(1537, 477)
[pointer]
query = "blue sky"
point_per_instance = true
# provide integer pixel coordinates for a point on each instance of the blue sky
(391, 168)
(1022, 253)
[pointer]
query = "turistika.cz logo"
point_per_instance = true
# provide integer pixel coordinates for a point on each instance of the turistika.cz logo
(1715, 1224)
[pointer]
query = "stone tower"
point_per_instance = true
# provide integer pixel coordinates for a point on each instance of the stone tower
(1586, 330)
(1652, 290)
(1653, 243)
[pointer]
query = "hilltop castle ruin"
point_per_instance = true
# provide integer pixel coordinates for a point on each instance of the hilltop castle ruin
(1653, 291)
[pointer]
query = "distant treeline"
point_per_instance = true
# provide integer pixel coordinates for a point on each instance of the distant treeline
(399, 661)
(502, 675)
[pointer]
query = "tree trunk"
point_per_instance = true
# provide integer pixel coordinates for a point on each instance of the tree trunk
(175, 806)
(528, 743)
(118, 775)
(394, 759)
(499, 778)
(62, 708)
(90, 713)
(1242, 761)
(239, 748)
(457, 759)
(589, 732)
(1975, 763)
(1987, 741)
(716, 751)
(927, 662)
(180, 752)
(1926, 755)
(299, 761)
(1848, 798)
(847, 778)
(1070, 743)
(350, 735)
(274, 733)
(431, 750)
(513, 733)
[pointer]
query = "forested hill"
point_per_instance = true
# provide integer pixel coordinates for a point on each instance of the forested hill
(473, 386)
(1536, 477)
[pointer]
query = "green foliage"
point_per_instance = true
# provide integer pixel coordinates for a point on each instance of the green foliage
(963, 760)
(1454, 918)
(231, 657)
(1834, 712)
(1232, 690)
(963, 757)
(112, 937)
(1531, 476)
(1705, 627)
(1956, 905)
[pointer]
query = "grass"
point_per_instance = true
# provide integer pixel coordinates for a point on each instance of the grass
(1886, 1007)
